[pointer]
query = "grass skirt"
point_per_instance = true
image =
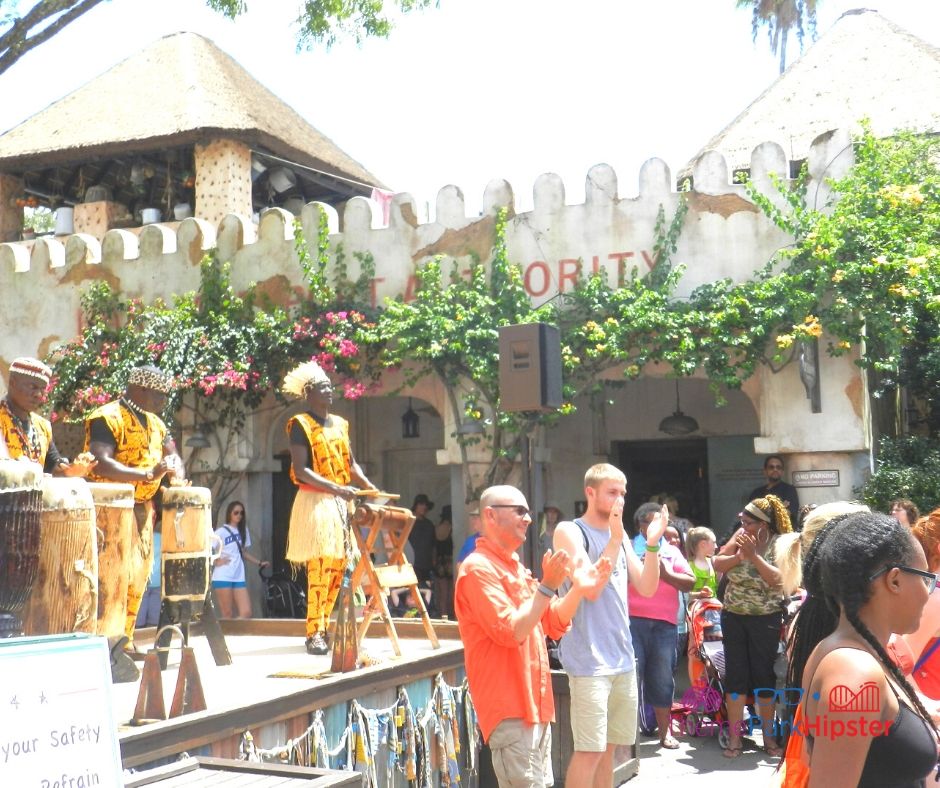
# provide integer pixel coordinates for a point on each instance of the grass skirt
(316, 527)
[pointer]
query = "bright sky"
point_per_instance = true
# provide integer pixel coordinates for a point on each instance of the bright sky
(476, 89)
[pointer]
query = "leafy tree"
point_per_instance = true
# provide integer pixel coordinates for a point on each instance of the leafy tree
(781, 17)
(907, 468)
(865, 269)
(318, 21)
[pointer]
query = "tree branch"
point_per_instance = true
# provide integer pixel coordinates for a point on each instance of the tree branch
(16, 41)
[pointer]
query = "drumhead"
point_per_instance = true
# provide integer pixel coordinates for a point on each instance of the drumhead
(17, 475)
(187, 497)
(120, 496)
(61, 494)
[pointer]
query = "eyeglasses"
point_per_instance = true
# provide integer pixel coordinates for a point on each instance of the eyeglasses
(929, 578)
(774, 467)
(521, 511)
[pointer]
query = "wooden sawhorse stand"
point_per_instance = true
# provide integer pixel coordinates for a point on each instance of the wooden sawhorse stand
(394, 524)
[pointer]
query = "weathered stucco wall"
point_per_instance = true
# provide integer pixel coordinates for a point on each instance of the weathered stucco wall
(725, 235)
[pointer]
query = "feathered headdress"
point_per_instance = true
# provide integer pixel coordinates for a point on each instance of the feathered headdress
(303, 377)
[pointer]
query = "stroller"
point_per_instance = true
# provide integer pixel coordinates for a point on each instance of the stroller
(706, 697)
(284, 596)
(701, 708)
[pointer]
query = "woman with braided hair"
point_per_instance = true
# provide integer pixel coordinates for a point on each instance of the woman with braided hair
(752, 616)
(863, 723)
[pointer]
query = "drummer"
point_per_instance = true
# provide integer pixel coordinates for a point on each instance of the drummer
(132, 445)
(322, 466)
(23, 432)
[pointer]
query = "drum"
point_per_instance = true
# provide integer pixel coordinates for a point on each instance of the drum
(187, 539)
(117, 529)
(187, 520)
(65, 596)
(20, 513)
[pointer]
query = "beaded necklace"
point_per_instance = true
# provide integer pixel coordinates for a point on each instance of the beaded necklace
(27, 434)
(134, 408)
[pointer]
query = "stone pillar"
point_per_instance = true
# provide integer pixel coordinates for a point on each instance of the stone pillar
(96, 218)
(223, 180)
(11, 217)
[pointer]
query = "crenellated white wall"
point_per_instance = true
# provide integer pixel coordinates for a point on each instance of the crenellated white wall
(725, 235)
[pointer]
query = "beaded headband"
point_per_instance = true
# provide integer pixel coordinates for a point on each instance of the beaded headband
(31, 367)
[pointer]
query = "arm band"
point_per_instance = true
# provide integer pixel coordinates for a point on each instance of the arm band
(652, 548)
(546, 591)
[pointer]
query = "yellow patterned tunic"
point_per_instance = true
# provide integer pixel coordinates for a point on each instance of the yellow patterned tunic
(18, 442)
(329, 447)
(318, 517)
(137, 445)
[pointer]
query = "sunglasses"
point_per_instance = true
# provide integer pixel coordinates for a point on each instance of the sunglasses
(930, 579)
(774, 467)
(519, 509)
(238, 511)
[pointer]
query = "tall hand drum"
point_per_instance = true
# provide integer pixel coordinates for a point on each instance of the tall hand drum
(20, 512)
(186, 540)
(114, 512)
(65, 596)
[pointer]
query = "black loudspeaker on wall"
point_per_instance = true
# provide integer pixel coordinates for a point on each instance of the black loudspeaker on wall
(529, 367)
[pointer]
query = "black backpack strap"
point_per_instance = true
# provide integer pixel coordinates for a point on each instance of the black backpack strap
(580, 525)
(238, 540)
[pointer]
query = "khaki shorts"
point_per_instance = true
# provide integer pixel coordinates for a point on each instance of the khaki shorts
(603, 711)
(522, 754)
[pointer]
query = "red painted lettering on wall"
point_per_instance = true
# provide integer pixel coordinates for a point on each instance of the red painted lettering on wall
(569, 270)
(649, 259)
(410, 288)
(527, 279)
(621, 258)
(373, 289)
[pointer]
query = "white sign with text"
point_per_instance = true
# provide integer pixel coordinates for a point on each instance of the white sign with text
(827, 478)
(56, 722)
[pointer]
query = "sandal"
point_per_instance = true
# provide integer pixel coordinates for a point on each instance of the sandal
(773, 750)
(732, 752)
(669, 743)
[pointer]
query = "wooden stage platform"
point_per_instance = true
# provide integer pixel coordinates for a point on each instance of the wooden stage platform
(246, 696)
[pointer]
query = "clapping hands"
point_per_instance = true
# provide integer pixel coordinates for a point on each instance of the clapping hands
(747, 545)
(590, 576)
(657, 526)
(556, 566)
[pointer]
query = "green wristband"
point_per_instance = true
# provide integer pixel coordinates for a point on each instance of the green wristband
(652, 548)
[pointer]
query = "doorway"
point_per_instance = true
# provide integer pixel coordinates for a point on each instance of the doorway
(675, 467)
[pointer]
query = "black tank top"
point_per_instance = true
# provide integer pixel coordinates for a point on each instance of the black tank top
(904, 757)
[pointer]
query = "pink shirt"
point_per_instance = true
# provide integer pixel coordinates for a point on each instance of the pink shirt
(664, 604)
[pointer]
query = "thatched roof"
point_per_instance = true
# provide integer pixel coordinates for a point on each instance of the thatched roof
(863, 67)
(181, 90)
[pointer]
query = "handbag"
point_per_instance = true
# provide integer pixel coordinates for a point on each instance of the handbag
(722, 587)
